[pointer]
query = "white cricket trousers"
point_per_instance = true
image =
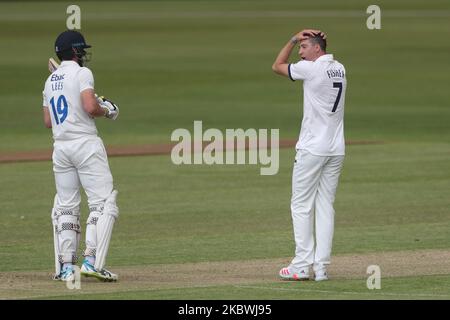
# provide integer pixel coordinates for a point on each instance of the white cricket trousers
(79, 163)
(314, 184)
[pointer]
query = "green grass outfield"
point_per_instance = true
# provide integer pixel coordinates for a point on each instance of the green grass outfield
(391, 198)
(169, 63)
(401, 288)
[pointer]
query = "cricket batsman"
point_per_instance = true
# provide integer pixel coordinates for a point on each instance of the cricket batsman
(320, 151)
(79, 159)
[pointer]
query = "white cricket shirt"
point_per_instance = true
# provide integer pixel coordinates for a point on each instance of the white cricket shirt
(62, 96)
(324, 84)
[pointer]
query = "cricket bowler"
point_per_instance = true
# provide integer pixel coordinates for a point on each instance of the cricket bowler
(79, 159)
(320, 152)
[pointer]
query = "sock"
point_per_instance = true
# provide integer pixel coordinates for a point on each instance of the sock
(90, 259)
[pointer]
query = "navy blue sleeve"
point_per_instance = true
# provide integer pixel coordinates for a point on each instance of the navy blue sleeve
(289, 71)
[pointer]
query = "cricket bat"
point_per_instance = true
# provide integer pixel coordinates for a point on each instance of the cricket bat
(52, 65)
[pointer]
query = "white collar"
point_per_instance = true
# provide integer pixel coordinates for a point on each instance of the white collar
(68, 62)
(325, 57)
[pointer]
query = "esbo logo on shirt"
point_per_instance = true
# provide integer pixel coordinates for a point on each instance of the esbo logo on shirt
(57, 77)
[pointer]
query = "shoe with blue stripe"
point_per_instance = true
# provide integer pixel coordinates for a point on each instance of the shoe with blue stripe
(67, 274)
(88, 270)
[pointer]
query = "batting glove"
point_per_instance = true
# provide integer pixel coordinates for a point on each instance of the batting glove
(112, 110)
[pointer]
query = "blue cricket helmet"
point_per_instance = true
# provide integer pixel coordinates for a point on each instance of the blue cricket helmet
(71, 43)
(70, 39)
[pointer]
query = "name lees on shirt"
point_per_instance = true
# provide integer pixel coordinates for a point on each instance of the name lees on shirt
(335, 73)
(57, 81)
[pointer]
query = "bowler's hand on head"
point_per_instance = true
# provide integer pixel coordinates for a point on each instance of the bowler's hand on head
(308, 33)
(319, 33)
(303, 35)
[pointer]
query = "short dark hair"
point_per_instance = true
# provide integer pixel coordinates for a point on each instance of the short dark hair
(65, 55)
(320, 41)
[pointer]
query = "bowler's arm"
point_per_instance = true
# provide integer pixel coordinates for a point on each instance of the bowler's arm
(281, 65)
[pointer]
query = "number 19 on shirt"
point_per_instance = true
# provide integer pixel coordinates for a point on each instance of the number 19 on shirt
(60, 110)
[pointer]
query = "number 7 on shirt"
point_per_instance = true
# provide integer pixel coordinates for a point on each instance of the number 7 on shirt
(337, 85)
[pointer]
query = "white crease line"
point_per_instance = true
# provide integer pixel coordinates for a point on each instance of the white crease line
(374, 292)
(73, 292)
(80, 292)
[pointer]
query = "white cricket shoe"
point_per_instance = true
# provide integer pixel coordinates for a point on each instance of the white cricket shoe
(289, 273)
(321, 275)
(67, 274)
(88, 270)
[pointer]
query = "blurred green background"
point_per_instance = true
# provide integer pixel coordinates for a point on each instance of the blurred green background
(167, 63)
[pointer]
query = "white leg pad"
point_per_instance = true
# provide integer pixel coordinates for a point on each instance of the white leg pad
(54, 218)
(105, 226)
(66, 234)
(91, 230)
